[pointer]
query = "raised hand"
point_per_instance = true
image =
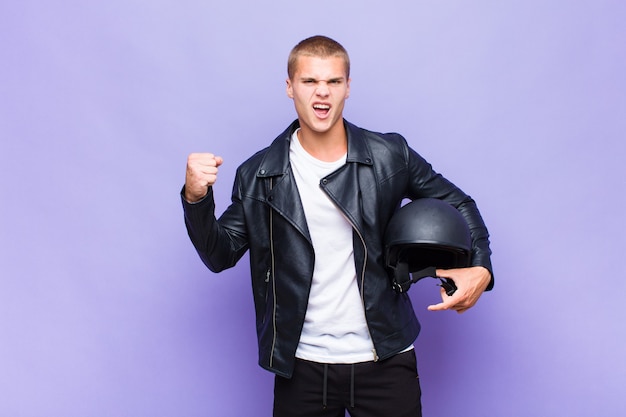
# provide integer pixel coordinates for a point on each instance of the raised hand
(201, 174)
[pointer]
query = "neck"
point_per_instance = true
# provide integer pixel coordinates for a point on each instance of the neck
(326, 146)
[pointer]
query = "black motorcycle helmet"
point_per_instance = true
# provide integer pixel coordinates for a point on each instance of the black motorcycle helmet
(423, 235)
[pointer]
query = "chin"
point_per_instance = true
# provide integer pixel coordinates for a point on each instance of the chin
(323, 127)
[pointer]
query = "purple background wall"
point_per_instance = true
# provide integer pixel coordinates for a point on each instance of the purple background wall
(105, 310)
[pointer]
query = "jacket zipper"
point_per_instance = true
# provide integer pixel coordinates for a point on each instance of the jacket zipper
(267, 290)
(272, 269)
(362, 291)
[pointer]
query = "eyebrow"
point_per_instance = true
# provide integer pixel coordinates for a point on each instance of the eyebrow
(334, 79)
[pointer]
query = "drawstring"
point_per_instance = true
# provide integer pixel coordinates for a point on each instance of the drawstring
(325, 386)
(352, 386)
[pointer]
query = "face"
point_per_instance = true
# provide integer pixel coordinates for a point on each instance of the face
(319, 89)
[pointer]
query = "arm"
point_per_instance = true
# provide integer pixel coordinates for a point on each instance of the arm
(471, 282)
(220, 243)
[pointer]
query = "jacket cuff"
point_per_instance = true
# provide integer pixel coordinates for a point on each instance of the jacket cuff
(197, 210)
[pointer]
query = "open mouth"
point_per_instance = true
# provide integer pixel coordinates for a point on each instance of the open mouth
(321, 109)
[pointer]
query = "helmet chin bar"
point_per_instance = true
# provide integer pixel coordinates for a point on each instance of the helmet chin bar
(402, 279)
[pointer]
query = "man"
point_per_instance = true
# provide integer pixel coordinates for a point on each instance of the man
(312, 209)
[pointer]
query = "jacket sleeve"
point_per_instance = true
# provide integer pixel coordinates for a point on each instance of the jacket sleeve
(220, 243)
(425, 182)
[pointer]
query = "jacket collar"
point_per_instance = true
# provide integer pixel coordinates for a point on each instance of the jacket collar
(276, 159)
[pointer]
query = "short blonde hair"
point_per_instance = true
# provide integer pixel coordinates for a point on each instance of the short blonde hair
(318, 46)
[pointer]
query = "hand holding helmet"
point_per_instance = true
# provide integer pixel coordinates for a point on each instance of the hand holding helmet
(471, 283)
(430, 238)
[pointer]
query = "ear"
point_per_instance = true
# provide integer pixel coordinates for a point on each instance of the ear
(348, 89)
(289, 88)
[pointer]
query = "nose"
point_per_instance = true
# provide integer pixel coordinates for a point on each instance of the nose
(322, 90)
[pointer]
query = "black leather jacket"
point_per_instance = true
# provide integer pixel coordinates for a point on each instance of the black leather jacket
(266, 217)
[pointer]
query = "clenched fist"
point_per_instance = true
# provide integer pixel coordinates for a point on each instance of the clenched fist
(201, 174)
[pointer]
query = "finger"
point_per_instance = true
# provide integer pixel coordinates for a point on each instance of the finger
(446, 303)
(441, 306)
(445, 273)
(456, 302)
(203, 164)
(204, 159)
(212, 161)
(208, 170)
(437, 307)
(209, 166)
(200, 175)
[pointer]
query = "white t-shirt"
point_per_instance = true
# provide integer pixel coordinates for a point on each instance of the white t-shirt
(335, 330)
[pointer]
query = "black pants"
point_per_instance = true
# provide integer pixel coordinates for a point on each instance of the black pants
(388, 388)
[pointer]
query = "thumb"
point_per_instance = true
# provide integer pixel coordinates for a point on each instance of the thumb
(444, 273)
(443, 305)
